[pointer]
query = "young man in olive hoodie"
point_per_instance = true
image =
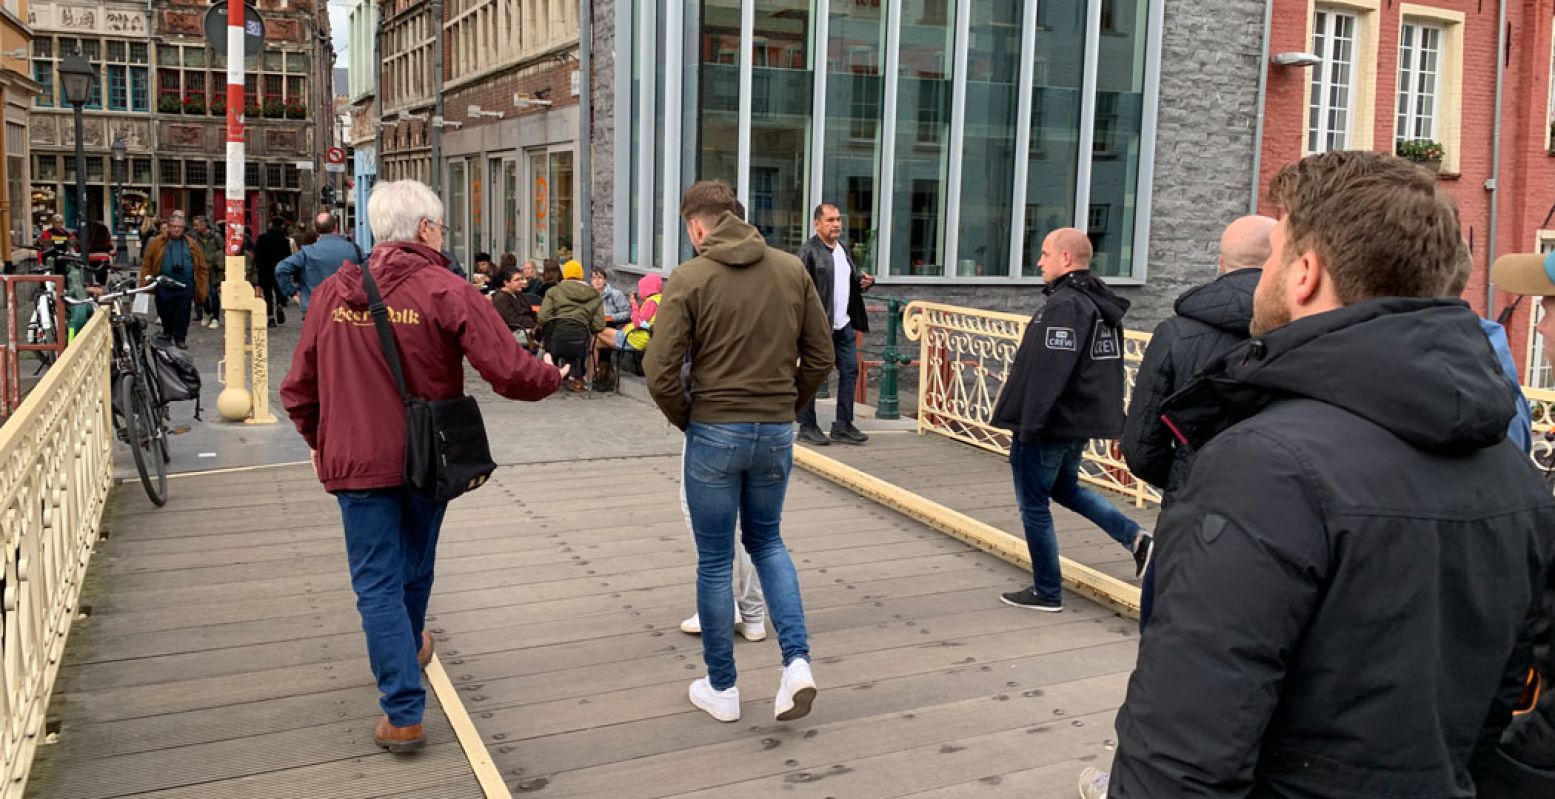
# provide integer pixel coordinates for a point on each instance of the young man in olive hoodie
(752, 323)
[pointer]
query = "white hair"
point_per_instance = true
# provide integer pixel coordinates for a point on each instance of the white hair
(396, 208)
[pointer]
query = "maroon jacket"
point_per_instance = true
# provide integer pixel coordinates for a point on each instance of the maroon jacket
(340, 393)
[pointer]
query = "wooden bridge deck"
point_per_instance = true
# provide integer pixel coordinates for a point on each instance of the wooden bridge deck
(223, 657)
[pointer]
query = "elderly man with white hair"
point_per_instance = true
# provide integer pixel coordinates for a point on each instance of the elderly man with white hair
(344, 401)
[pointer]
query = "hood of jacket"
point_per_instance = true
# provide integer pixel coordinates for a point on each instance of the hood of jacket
(1109, 305)
(1225, 303)
(733, 242)
(575, 291)
(649, 285)
(392, 263)
(1420, 369)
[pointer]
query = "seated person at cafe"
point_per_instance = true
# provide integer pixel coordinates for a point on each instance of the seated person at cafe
(510, 303)
(618, 309)
(571, 315)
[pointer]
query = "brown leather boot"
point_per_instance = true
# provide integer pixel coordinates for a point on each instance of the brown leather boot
(399, 740)
(424, 654)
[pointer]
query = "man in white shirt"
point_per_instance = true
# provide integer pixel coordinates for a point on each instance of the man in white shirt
(841, 287)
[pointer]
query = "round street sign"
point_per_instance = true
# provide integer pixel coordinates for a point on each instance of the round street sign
(216, 29)
(335, 155)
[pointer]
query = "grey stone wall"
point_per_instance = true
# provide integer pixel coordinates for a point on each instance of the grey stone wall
(602, 140)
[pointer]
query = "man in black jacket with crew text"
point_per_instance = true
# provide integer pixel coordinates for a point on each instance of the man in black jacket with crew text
(1064, 389)
(1348, 578)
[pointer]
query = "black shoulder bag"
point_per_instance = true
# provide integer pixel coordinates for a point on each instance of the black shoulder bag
(446, 453)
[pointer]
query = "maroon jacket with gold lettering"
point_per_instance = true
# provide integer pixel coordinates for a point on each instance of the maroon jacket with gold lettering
(340, 393)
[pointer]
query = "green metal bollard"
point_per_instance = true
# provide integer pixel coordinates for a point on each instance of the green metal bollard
(889, 405)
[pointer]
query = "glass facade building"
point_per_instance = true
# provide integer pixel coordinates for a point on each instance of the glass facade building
(952, 134)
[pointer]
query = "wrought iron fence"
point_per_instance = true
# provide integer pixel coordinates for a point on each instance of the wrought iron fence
(965, 357)
(55, 471)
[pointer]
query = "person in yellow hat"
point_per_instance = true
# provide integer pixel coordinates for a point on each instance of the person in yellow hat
(571, 315)
(1524, 763)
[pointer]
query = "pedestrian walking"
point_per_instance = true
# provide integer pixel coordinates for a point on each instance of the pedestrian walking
(210, 242)
(175, 256)
(302, 271)
(1523, 764)
(273, 247)
(1348, 574)
(345, 403)
(841, 288)
(759, 346)
(1210, 319)
(1065, 388)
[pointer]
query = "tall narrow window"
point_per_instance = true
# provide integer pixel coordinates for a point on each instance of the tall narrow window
(1419, 86)
(118, 88)
(1333, 81)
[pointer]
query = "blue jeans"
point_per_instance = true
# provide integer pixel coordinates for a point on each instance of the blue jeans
(847, 379)
(391, 543)
(741, 470)
(1050, 470)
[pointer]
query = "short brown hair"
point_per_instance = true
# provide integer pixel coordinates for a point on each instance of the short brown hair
(1377, 222)
(708, 198)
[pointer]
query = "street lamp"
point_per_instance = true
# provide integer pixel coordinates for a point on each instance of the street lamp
(119, 169)
(77, 76)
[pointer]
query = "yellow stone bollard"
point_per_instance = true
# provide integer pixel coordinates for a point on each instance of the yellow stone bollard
(247, 342)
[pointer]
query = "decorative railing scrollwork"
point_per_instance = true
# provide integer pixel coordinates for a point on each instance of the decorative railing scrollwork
(965, 357)
(56, 466)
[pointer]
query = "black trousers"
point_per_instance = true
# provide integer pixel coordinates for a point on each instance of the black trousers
(173, 307)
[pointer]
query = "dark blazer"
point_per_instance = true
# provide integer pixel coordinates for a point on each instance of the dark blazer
(817, 260)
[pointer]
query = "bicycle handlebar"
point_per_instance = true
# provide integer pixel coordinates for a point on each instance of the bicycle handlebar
(111, 296)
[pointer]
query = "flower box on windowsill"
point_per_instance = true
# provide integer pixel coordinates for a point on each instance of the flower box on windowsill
(1431, 164)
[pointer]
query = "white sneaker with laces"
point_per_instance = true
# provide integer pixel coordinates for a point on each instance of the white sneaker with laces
(1093, 783)
(752, 630)
(693, 625)
(795, 693)
(722, 705)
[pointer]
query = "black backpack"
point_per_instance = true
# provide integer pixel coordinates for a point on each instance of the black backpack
(177, 375)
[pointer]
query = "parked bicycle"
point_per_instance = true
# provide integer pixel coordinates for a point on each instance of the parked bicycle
(140, 415)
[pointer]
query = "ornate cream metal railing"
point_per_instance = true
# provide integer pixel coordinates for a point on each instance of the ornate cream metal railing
(965, 357)
(1541, 401)
(55, 471)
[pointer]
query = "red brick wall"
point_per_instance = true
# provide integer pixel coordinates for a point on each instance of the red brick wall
(552, 79)
(1527, 184)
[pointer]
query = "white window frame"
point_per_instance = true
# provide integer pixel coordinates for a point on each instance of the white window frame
(1537, 371)
(1324, 80)
(1417, 83)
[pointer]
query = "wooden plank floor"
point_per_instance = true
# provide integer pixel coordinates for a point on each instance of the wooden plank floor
(574, 669)
(978, 483)
(222, 657)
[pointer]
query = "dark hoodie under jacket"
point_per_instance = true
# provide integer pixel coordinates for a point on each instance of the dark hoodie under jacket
(752, 324)
(1067, 379)
(1347, 584)
(340, 393)
(1210, 320)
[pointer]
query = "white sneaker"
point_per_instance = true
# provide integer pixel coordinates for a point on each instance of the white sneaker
(1093, 783)
(722, 705)
(795, 693)
(752, 630)
(693, 625)
(215, 324)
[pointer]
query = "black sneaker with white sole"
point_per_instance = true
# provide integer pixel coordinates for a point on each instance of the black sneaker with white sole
(847, 434)
(1028, 599)
(1144, 549)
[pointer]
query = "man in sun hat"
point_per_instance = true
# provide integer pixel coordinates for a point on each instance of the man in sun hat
(1524, 763)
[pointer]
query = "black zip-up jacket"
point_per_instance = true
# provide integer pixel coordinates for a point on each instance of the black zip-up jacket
(1067, 379)
(1210, 320)
(1348, 584)
(817, 260)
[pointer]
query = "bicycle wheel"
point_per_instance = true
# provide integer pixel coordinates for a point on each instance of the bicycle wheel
(140, 430)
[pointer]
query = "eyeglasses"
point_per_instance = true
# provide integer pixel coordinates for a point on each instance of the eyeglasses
(440, 226)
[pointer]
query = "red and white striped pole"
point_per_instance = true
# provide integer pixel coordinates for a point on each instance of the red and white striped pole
(235, 156)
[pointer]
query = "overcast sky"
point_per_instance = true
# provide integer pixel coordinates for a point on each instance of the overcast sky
(339, 20)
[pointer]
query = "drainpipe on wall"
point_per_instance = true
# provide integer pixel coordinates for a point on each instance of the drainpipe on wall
(1263, 96)
(585, 246)
(1493, 184)
(437, 98)
(151, 89)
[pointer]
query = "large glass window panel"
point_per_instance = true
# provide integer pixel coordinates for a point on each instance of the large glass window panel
(1054, 148)
(561, 204)
(661, 258)
(988, 151)
(782, 89)
(634, 157)
(458, 229)
(712, 109)
(511, 207)
(922, 138)
(539, 208)
(855, 80)
(1117, 141)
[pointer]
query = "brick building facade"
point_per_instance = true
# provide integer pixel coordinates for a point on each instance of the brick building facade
(162, 91)
(1427, 70)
